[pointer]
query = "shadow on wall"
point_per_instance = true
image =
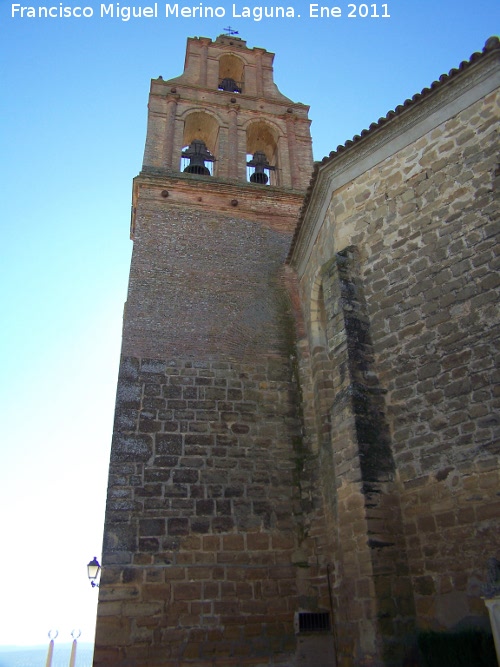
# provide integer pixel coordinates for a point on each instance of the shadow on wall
(471, 647)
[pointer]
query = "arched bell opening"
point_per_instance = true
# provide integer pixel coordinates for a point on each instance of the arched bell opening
(200, 142)
(231, 74)
(262, 154)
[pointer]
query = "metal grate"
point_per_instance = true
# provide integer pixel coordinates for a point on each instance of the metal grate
(231, 86)
(311, 621)
(185, 162)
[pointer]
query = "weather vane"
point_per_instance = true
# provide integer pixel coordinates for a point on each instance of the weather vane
(230, 31)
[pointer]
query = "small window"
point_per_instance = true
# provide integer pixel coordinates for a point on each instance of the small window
(312, 621)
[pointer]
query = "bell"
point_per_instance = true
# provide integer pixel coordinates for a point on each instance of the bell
(198, 154)
(260, 163)
(229, 85)
(259, 177)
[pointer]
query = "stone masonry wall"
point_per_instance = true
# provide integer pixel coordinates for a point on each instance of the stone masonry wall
(203, 529)
(372, 598)
(209, 545)
(425, 225)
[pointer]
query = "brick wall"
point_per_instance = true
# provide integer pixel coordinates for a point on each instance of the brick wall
(231, 124)
(206, 281)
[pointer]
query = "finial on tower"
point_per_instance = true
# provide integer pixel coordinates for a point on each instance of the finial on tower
(229, 31)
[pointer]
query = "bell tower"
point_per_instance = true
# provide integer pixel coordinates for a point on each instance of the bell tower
(207, 555)
(226, 98)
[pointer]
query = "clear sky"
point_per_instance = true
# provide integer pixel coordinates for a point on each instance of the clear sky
(73, 119)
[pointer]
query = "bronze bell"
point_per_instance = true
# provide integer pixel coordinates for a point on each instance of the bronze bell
(229, 85)
(198, 154)
(259, 161)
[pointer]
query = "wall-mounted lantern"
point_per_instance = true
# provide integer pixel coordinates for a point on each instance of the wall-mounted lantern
(93, 570)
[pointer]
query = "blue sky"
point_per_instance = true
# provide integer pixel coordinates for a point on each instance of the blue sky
(73, 121)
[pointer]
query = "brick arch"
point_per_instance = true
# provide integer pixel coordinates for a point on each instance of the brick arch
(261, 135)
(201, 125)
(232, 67)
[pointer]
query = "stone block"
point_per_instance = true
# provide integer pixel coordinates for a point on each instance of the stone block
(130, 447)
(113, 631)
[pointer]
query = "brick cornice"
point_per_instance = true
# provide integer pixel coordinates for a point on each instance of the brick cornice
(272, 206)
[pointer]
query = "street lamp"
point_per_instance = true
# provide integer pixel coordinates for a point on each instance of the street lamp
(93, 569)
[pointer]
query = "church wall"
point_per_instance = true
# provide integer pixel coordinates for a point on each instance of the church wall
(317, 437)
(201, 537)
(423, 224)
(207, 553)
